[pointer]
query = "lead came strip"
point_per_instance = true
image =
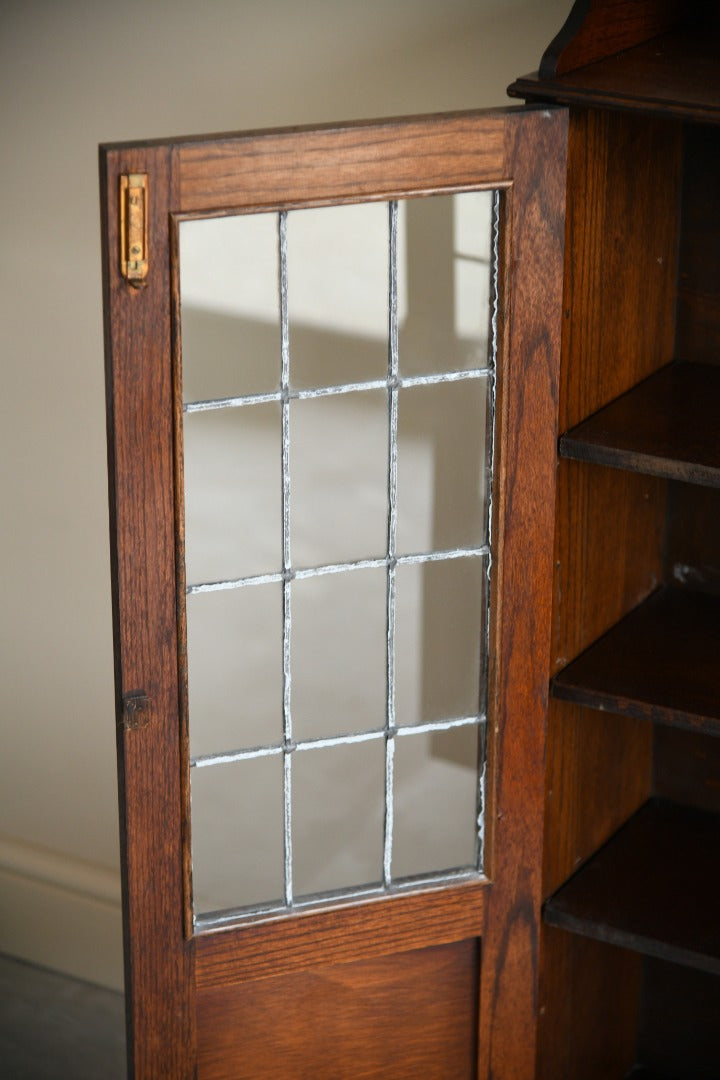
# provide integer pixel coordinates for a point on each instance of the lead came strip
(391, 541)
(286, 560)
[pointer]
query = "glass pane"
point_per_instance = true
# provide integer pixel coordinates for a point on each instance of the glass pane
(339, 280)
(234, 640)
(233, 511)
(338, 294)
(338, 653)
(338, 809)
(237, 834)
(339, 478)
(445, 324)
(442, 481)
(440, 617)
(435, 802)
(230, 306)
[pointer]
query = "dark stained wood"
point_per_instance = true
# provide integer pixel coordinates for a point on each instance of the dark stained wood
(609, 555)
(402, 1016)
(618, 327)
(692, 548)
(698, 303)
(356, 161)
(591, 1032)
(596, 29)
(679, 1033)
(659, 663)
(686, 768)
(666, 426)
(624, 178)
(375, 928)
(672, 75)
(158, 961)
(524, 489)
(652, 888)
(604, 767)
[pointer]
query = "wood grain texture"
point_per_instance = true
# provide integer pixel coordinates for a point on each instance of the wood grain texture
(599, 773)
(524, 156)
(666, 426)
(673, 75)
(159, 962)
(626, 894)
(659, 663)
(620, 264)
(590, 1031)
(624, 175)
(341, 935)
(596, 29)
(527, 411)
(399, 1017)
(357, 161)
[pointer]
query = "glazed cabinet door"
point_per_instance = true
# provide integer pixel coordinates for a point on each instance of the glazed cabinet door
(332, 362)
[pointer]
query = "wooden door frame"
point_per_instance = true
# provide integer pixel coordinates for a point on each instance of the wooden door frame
(523, 152)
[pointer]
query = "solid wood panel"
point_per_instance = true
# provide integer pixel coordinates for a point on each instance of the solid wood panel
(686, 768)
(665, 426)
(618, 327)
(590, 1029)
(404, 1016)
(672, 75)
(652, 888)
(624, 175)
(375, 928)
(159, 962)
(363, 160)
(698, 316)
(659, 663)
(595, 29)
(598, 774)
(608, 551)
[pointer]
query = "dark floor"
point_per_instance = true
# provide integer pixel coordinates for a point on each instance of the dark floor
(56, 1028)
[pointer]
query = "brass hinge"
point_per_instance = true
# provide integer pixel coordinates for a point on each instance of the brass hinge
(134, 228)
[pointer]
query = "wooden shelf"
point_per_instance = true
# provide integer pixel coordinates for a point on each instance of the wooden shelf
(674, 75)
(654, 888)
(660, 663)
(665, 426)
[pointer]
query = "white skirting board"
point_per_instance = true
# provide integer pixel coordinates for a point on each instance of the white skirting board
(61, 913)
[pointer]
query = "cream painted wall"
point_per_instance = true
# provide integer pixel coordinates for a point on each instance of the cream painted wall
(73, 74)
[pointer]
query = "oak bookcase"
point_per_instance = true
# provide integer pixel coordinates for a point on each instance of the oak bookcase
(630, 955)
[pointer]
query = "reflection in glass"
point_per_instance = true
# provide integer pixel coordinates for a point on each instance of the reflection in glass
(338, 654)
(442, 496)
(229, 295)
(337, 294)
(395, 474)
(237, 834)
(338, 467)
(446, 279)
(232, 493)
(440, 621)
(435, 802)
(234, 644)
(338, 806)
